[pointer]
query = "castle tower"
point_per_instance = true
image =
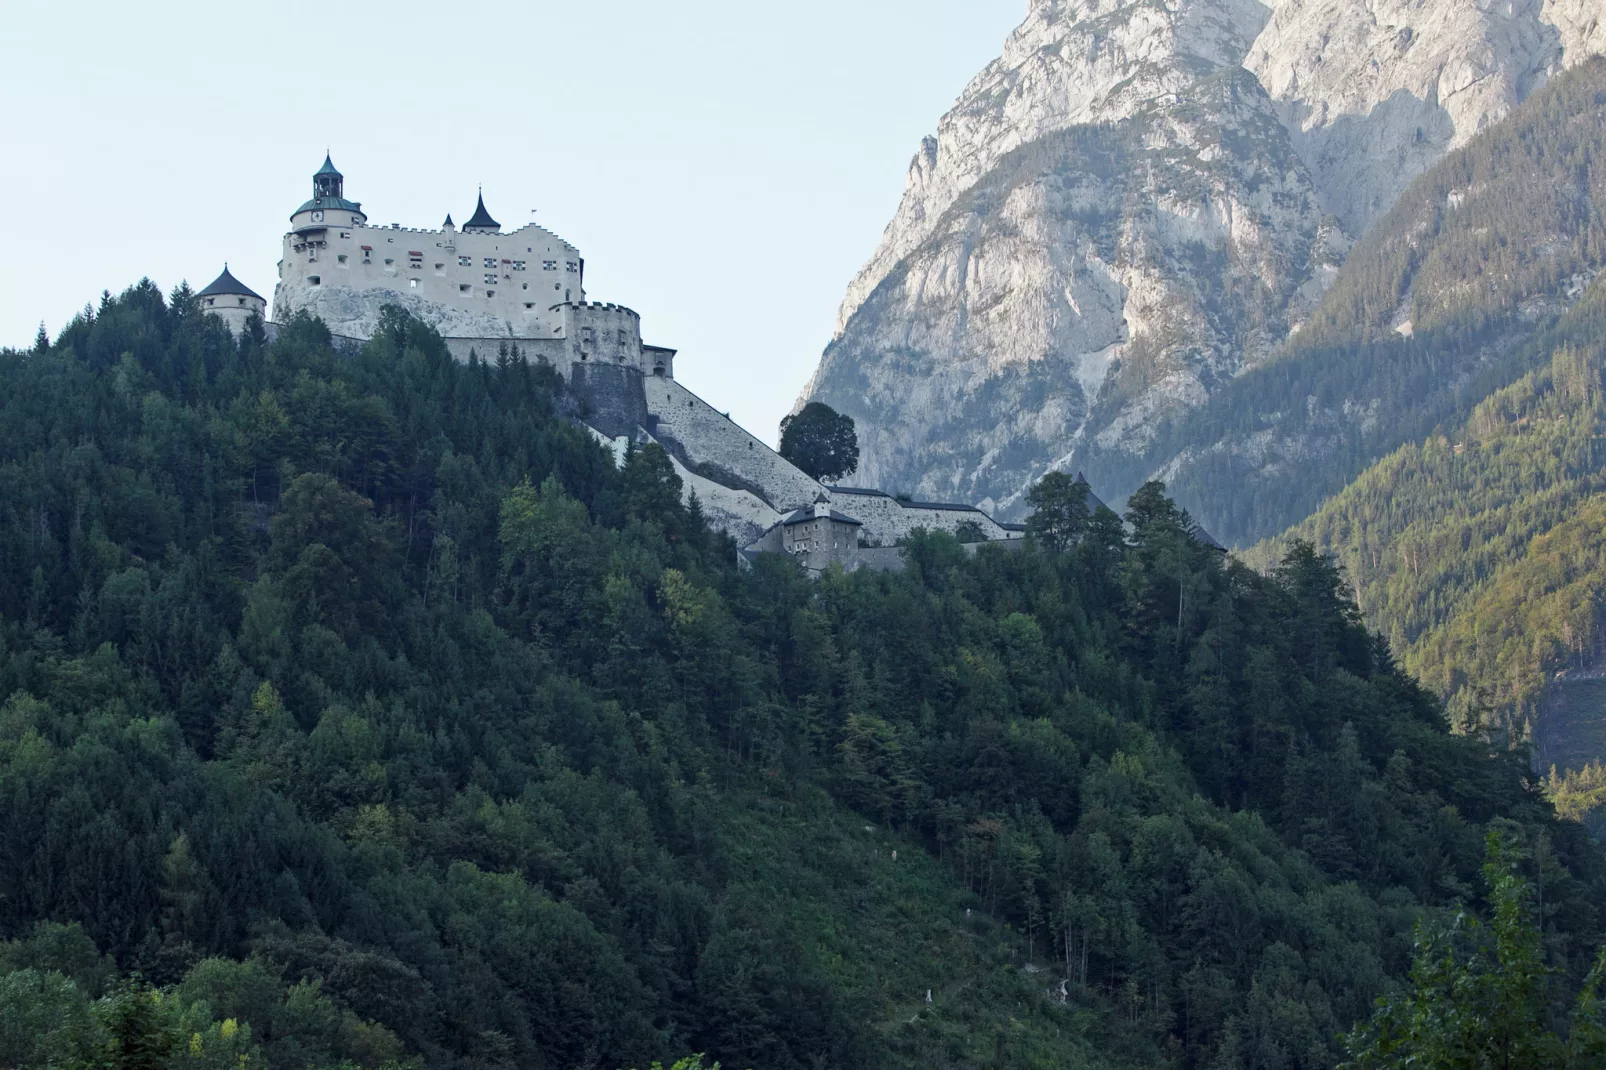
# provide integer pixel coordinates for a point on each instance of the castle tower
(328, 207)
(482, 223)
(232, 301)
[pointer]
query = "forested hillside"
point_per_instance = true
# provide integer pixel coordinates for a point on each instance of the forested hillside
(356, 710)
(1446, 299)
(1479, 552)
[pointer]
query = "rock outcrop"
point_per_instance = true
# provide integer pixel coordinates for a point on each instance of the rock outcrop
(1138, 200)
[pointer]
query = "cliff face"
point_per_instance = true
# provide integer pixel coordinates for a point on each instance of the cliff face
(1141, 198)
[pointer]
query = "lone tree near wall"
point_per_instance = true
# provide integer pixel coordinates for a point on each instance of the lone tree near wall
(820, 441)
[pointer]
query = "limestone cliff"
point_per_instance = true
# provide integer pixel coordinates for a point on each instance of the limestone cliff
(1138, 200)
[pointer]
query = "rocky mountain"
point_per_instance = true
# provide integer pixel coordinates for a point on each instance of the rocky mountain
(1139, 200)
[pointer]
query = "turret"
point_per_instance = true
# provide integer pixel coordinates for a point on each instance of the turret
(328, 207)
(232, 301)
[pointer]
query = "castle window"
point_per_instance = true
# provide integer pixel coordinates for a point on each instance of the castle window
(622, 339)
(528, 305)
(549, 265)
(211, 301)
(490, 280)
(570, 265)
(345, 234)
(526, 286)
(518, 265)
(465, 261)
(341, 258)
(389, 261)
(315, 280)
(490, 261)
(490, 293)
(464, 288)
(413, 283)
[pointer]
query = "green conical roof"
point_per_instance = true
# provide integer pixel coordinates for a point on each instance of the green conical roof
(328, 167)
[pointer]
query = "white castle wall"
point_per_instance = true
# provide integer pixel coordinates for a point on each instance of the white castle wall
(235, 310)
(886, 519)
(462, 283)
(709, 436)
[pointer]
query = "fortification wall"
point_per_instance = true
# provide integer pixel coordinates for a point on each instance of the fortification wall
(611, 397)
(489, 349)
(463, 284)
(708, 436)
(886, 519)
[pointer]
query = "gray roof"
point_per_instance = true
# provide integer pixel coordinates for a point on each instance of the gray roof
(226, 283)
(803, 516)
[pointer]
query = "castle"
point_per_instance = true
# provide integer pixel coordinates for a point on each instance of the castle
(488, 291)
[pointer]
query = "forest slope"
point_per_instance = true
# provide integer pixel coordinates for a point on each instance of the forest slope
(1478, 550)
(359, 703)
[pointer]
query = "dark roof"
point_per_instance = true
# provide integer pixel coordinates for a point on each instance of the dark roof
(482, 218)
(1204, 538)
(448, 220)
(1094, 502)
(339, 203)
(328, 167)
(803, 516)
(226, 283)
(859, 490)
(1012, 527)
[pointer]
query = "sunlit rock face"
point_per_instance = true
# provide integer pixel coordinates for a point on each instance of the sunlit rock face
(1136, 201)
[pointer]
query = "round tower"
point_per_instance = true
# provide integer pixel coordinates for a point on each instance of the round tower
(328, 207)
(232, 301)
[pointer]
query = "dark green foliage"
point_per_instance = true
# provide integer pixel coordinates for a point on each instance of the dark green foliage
(820, 441)
(1481, 996)
(1480, 553)
(360, 706)
(1059, 510)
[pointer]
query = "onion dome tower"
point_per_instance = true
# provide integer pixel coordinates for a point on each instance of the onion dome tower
(232, 301)
(328, 207)
(482, 223)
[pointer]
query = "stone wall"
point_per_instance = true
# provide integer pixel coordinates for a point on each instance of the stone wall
(707, 436)
(611, 398)
(886, 519)
(459, 283)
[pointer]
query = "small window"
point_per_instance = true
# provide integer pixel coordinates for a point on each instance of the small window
(439, 268)
(211, 301)
(490, 293)
(341, 257)
(412, 283)
(315, 280)
(570, 265)
(549, 265)
(464, 288)
(490, 261)
(465, 261)
(526, 286)
(528, 305)
(490, 280)
(389, 261)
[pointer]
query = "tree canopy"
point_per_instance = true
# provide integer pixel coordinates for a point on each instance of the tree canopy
(820, 441)
(357, 710)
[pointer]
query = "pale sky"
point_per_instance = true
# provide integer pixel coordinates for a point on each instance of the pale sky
(725, 167)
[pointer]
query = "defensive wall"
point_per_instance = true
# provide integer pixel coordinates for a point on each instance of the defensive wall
(518, 278)
(687, 424)
(887, 519)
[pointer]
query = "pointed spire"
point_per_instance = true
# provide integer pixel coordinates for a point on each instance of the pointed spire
(328, 167)
(448, 224)
(482, 220)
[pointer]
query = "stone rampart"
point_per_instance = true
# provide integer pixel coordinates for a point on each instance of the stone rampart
(706, 436)
(887, 520)
(611, 398)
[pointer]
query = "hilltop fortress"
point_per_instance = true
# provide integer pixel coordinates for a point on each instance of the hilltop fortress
(522, 292)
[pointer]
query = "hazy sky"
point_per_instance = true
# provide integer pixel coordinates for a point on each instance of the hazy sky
(725, 167)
